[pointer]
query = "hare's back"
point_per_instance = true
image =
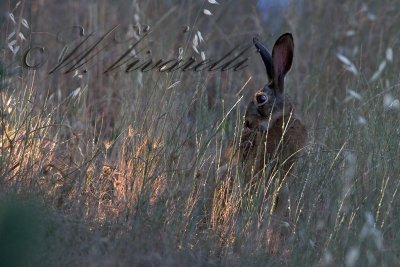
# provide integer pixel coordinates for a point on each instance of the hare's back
(295, 138)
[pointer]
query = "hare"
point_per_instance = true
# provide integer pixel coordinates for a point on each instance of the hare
(273, 136)
(273, 133)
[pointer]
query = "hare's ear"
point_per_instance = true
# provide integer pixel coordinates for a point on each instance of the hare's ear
(282, 58)
(266, 57)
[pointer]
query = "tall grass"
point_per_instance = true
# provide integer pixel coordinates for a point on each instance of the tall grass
(124, 166)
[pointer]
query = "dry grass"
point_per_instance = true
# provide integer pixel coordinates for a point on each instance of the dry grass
(121, 168)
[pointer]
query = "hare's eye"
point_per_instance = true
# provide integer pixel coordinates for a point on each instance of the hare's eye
(261, 98)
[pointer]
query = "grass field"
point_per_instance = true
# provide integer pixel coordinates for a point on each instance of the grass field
(119, 168)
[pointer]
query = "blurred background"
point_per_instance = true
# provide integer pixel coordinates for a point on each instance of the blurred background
(362, 32)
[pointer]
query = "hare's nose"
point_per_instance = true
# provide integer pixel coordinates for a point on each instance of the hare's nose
(261, 98)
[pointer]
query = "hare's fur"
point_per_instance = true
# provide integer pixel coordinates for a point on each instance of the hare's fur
(273, 135)
(279, 140)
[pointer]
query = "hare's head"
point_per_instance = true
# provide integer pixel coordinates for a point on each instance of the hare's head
(270, 100)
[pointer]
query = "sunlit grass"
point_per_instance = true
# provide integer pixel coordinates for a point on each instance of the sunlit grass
(129, 167)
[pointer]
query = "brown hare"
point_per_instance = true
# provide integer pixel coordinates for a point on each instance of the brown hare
(273, 134)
